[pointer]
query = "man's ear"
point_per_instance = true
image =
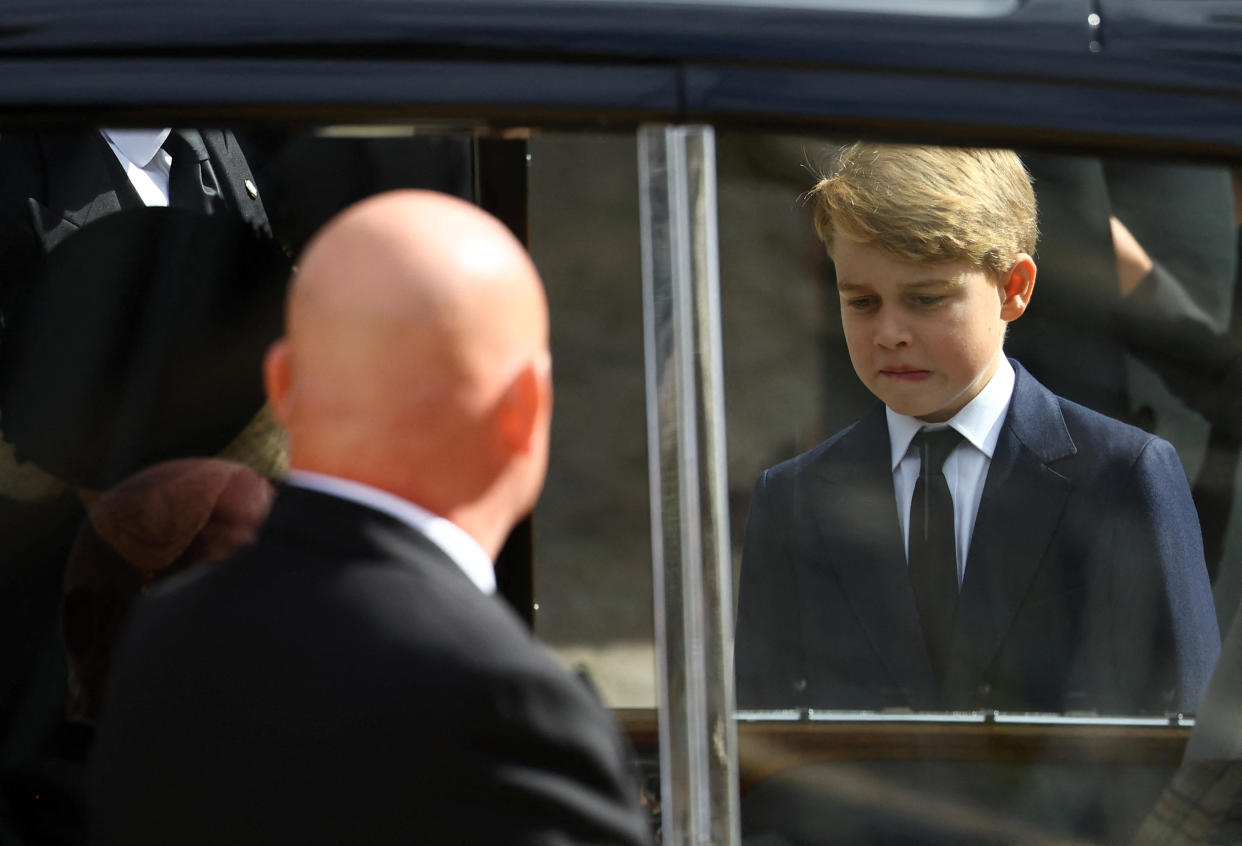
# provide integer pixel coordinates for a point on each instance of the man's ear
(278, 379)
(526, 404)
(1017, 287)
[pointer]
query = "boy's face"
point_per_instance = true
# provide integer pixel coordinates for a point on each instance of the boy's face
(925, 338)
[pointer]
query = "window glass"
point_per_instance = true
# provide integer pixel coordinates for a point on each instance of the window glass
(143, 275)
(592, 524)
(1083, 596)
(1101, 569)
(135, 320)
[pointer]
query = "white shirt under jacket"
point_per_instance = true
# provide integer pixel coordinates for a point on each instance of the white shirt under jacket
(146, 163)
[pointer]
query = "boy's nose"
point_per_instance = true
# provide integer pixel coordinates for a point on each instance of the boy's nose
(891, 332)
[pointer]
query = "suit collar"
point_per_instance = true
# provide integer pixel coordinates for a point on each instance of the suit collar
(137, 145)
(349, 530)
(463, 549)
(1035, 418)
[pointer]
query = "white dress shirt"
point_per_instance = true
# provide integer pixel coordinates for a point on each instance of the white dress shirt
(459, 546)
(145, 162)
(966, 469)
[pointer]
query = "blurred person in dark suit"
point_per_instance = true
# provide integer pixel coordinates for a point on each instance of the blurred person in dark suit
(349, 678)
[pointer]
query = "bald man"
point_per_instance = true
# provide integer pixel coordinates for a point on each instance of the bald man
(348, 679)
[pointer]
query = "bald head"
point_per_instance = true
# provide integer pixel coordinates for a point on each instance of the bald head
(416, 355)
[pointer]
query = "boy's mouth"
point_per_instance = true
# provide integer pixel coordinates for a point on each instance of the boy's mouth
(905, 374)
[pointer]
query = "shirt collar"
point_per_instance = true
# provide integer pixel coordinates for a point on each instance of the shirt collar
(137, 145)
(459, 546)
(979, 422)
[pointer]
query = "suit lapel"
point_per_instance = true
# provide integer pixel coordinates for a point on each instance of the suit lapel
(855, 510)
(1022, 504)
(79, 164)
(236, 180)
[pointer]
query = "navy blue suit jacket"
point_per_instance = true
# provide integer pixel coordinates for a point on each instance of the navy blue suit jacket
(1085, 586)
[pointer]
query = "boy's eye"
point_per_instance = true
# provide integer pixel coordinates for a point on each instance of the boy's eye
(928, 299)
(860, 303)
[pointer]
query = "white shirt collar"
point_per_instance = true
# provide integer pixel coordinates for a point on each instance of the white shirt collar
(137, 145)
(979, 422)
(459, 546)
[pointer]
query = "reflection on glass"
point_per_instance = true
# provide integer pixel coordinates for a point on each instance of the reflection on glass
(142, 279)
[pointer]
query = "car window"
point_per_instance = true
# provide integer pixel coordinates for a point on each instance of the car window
(133, 336)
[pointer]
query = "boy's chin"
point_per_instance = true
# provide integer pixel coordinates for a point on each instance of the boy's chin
(928, 412)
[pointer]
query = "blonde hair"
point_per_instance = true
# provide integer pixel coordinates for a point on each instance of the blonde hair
(929, 204)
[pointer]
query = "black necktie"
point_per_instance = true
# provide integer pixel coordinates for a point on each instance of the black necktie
(191, 179)
(933, 546)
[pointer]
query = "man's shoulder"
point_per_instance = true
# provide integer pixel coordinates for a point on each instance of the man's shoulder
(364, 574)
(428, 667)
(385, 623)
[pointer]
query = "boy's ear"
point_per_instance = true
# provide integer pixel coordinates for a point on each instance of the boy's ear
(1017, 287)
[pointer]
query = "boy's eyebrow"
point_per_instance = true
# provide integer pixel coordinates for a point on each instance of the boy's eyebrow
(948, 281)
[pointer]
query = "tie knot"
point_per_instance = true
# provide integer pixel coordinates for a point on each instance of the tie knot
(183, 142)
(934, 446)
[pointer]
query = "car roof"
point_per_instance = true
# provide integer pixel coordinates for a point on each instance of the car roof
(1155, 71)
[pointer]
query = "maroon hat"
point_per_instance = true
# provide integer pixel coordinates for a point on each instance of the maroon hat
(155, 523)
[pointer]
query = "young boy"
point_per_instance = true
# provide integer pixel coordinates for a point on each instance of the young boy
(974, 541)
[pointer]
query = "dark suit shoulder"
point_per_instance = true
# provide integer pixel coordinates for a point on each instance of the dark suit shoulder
(387, 586)
(1071, 437)
(854, 444)
(344, 636)
(1129, 460)
(820, 452)
(1092, 426)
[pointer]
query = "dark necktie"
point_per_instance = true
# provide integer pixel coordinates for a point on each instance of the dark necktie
(933, 546)
(191, 179)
